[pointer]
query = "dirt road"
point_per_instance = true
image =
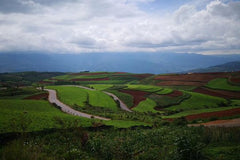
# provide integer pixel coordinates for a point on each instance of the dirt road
(122, 105)
(220, 123)
(52, 98)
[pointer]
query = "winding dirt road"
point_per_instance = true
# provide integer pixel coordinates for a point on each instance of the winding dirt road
(52, 98)
(123, 106)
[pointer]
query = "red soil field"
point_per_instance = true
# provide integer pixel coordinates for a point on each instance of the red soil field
(89, 73)
(175, 93)
(45, 82)
(180, 83)
(235, 79)
(91, 79)
(195, 77)
(38, 96)
(138, 96)
(227, 113)
(218, 93)
(142, 75)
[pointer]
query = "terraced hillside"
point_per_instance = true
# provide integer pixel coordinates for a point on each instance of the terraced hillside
(124, 102)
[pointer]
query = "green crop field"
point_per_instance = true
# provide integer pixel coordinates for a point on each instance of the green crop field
(126, 98)
(146, 106)
(100, 86)
(199, 101)
(74, 95)
(146, 88)
(71, 95)
(14, 114)
(99, 99)
(222, 83)
(165, 91)
(191, 112)
(166, 101)
(125, 124)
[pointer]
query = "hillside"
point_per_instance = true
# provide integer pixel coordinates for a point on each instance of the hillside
(226, 67)
(155, 63)
(119, 115)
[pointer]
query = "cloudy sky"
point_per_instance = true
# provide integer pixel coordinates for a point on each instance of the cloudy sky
(80, 26)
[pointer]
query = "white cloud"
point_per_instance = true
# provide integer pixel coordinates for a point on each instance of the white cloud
(118, 26)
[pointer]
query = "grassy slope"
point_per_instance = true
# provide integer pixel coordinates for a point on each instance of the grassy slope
(191, 112)
(100, 86)
(199, 101)
(126, 98)
(71, 95)
(99, 99)
(41, 113)
(222, 83)
(124, 124)
(146, 88)
(146, 106)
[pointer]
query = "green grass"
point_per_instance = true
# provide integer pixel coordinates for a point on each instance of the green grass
(146, 106)
(146, 88)
(100, 86)
(191, 112)
(71, 95)
(166, 101)
(124, 124)
(99, 99)
(222, 83)
(74, 95)
(223, 151)
(165, 91)
(126, 98)
(40, 113)
(199, 101)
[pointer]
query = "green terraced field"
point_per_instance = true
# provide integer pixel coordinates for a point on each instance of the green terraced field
(99, 99)
(74, 95)
(191, 112)
(166, 101)
(126, 98)
(100, 87)
(146, 106)
(125, 124)
(146, 88)
(199, 101)
(71, 95)
(222, 83)
(165, 91)
(42, 115)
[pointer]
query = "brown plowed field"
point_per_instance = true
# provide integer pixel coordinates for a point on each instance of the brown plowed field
(227, 113)
(195, 77)
(45, 82)
(142, 75)
(38, 96)
(180, 83)
(91, 79)
(235, 79)
(218, 93)
(138, 96)
(175, 93)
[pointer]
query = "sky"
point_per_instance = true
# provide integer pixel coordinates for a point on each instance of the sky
(86, 26)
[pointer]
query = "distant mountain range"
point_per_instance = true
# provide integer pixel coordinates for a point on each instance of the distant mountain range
(226, 67)
(121, 62)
